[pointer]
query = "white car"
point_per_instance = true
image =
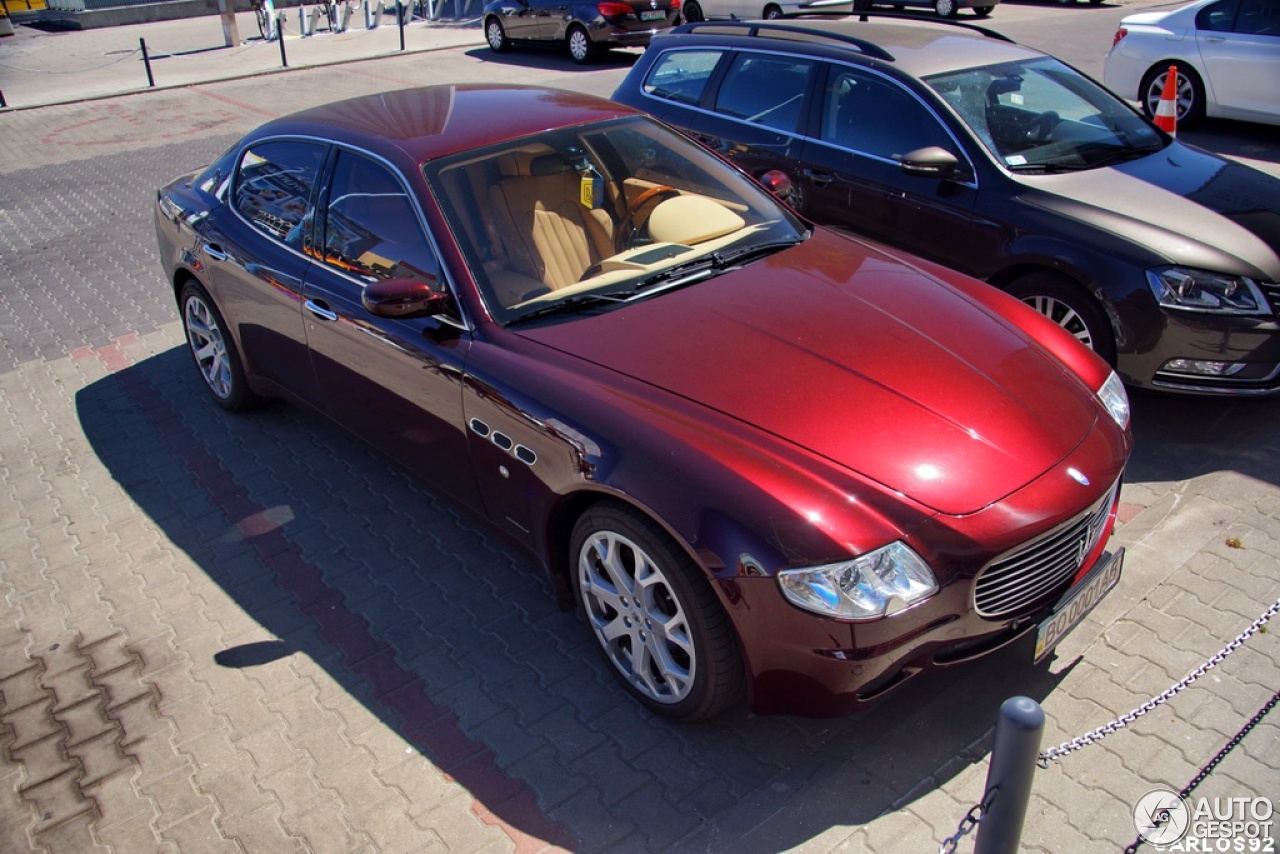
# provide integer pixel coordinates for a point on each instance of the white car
(743, 10)
(1227, 54)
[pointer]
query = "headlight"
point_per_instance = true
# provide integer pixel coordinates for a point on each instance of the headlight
(1198, 290)
(1115, 399)
(872, 585)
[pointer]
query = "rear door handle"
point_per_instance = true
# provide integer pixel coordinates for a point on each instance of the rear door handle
(820, 179)
(320, 310)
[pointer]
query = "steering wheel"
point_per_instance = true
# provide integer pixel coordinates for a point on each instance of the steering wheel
(1040, 129)
(632, 221)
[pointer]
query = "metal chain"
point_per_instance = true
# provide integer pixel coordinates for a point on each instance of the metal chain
(1215, 761)
(1124, 720)
(971, 819)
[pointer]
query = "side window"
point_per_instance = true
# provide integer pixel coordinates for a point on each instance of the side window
(765, 90)
(371, 228)
(682, 75)
(873, 116)
(1218, 17)
(1259, 18)
(274, 186)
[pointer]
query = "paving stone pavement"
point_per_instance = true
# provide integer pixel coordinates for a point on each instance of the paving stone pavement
(225, 633)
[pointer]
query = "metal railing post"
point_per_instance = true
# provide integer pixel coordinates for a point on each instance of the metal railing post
(1013, 765)
(400, 21)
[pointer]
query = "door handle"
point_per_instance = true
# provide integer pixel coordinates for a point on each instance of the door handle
(215, 252)
(320, 310)
(820, 179)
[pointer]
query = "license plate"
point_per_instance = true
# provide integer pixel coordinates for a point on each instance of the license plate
(1072, 610)
(653, 15)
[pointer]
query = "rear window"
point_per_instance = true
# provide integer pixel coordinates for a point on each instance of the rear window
(765, 90)
(682, 75)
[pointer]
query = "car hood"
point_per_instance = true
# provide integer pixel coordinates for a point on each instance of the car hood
(1189, 206)
(857, 357)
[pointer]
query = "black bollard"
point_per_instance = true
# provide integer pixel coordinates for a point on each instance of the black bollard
(1013, 765)
(284, 60)
(400, 21)
(146, 60)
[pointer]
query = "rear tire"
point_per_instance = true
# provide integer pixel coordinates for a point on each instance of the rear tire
(1190, 91)
(772, 12)
(1071, 307)
(654, 615)
(983, 11)
(693, 12)
(581, 48)
(946, 8)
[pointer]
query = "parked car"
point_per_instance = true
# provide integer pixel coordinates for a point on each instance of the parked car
(584, 28)
(710, 10)
(943, 8)
(757, 454)
(1002, 162)
(1226, 52)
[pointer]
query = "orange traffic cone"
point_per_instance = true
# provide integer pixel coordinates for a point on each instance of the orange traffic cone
(1166, 117)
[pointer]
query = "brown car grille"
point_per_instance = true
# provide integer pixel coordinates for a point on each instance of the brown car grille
(1020, 577)
(1273, 295)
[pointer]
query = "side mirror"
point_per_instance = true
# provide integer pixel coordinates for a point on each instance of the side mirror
(403, 298)
(930, 162)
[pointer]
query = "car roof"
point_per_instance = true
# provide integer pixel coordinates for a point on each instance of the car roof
(917, 47)
(428, 122)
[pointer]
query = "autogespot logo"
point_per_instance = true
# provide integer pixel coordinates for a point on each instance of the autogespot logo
(1161, 817)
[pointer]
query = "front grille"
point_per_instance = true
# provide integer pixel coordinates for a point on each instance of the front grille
(1033, 570)
(1272, 292)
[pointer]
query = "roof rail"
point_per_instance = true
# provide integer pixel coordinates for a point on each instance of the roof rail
(814, 9)
(753, 28)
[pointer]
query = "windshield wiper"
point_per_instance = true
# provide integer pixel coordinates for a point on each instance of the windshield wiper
(697, 269)
(574, 304)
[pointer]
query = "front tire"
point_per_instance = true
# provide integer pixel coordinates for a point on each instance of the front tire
(946, 8)
(581, 47)
(654, 615)
(1071, 307)
(496, 36)
(983, 11)
(772, 12)
(211, 345)
(1190, 91)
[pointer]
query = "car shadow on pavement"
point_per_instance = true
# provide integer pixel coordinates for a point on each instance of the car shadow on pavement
(555, 58)
(455, 642)
(1179, 437)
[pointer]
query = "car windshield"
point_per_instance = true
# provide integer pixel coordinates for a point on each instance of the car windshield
(1042, 116)
(598, 215)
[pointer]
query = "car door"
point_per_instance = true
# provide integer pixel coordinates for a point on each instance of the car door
(255, 258)
(853, 176)
(396, 382)
(1243, 63)
(758, 110)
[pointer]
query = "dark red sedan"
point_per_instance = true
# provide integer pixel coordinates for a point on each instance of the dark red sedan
(760, 457)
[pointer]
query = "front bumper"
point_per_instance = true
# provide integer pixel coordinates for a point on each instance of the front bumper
(801, 663)
(1247, 347)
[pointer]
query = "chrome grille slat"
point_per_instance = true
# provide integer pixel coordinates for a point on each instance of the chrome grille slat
(1019, 577)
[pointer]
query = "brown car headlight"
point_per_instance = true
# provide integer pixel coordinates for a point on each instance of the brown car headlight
(1201, 290)
(874, 585)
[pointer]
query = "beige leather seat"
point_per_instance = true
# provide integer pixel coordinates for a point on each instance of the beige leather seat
(545, 230)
